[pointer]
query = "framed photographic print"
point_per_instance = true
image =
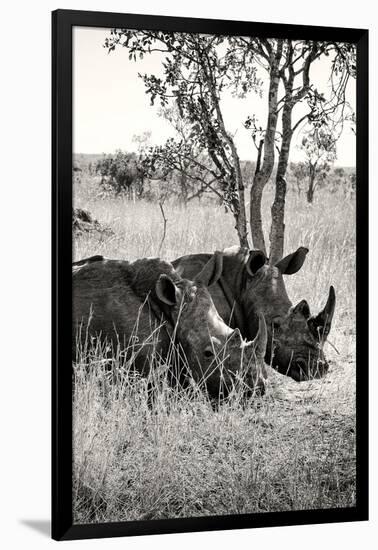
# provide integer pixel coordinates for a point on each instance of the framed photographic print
(210, 193)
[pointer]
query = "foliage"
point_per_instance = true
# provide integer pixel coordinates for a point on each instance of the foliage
(195, 72)
(298, 173)
(120, 173)
(319, 148)
(180, 164)
(184, 167)
(288, 62)
(344, 181)
(197, 69)
(319, 145)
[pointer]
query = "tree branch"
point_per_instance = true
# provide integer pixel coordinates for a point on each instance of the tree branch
(164, 227)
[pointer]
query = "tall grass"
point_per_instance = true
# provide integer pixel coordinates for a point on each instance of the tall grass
(177, 456)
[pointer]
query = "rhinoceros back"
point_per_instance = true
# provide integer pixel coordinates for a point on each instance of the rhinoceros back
(107, 305)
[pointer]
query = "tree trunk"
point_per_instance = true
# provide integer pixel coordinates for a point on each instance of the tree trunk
(242, 217)
(240, 227)
(311, 187)
(263, 174)
(258, 184)
(183, 196)
(241, 220)
(235, 179)
(236, 186)
(238, 202)
(277, 230)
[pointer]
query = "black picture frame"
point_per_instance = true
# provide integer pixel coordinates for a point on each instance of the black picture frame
(62, 521)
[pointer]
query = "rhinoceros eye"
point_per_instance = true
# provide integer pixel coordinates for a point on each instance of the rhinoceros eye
(209, 353)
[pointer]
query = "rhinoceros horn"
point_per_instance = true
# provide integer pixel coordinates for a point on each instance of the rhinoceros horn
(261, 339)
(321, 324)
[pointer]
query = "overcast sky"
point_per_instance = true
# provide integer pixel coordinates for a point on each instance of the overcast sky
(110, 104)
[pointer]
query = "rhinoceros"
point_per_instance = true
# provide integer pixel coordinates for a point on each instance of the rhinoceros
(148, 302)
(249, 286)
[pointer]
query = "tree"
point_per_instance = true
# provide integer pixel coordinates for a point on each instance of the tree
(319, 147)
(288, 63)
(194, 75)
(197, 69)
(183, 166)
(120, 173)
(352, 181)
(298, 172)
(245, 52)
(344, 180)
(180, 161)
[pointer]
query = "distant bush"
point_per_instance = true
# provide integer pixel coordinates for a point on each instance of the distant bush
(335, 180)
(121, 173)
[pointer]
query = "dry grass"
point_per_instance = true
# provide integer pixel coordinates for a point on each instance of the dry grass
(177, 456)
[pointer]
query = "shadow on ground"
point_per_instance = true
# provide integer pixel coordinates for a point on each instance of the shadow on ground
(43, 526)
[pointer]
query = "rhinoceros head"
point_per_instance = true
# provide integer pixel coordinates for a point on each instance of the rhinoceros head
(298, 339)
(234, 363)
(295, 338)
(217, 355)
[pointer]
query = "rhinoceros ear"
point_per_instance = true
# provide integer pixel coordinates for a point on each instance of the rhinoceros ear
(212, 271)
(180, 270)
(302, 308)
(256, 259)
(293, 262)
(167, 291)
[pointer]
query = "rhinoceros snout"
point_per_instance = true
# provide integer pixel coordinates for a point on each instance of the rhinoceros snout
(302, 370)
(321, 369)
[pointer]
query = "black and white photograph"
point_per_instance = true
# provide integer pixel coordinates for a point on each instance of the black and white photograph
(214, 248)
(209, 247)
(188, 283)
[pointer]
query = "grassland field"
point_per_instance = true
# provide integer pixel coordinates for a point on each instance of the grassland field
(292, 449)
